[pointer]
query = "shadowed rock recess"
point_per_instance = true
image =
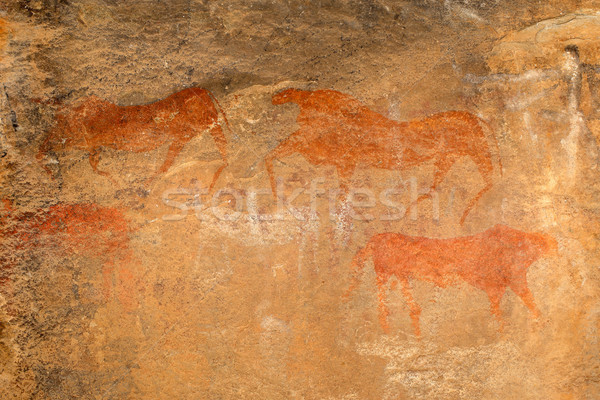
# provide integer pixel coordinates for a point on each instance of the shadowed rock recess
(335, 199)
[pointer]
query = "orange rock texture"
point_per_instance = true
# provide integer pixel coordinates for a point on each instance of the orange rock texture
(337, 199)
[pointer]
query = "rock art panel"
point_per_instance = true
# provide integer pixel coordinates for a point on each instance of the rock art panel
(299, 200)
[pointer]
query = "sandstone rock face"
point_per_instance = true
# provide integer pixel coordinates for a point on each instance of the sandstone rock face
(347, 199)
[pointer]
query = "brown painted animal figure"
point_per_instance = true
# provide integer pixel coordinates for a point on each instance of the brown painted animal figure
(492, 261)
(94, 124)
(337, 130)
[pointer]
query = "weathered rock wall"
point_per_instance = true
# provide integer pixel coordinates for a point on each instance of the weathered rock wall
(144, 255)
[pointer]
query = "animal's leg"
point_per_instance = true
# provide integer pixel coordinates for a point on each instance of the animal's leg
(520, 288)
(415, 310)
(484, 163)
(358, 264)
(354, 283)
(474, 201)
(441, 168)
(284, 149)
(94, 160)
(344, 223)
(174, 150)
(495, 296)
(217, 134)
(382, 300)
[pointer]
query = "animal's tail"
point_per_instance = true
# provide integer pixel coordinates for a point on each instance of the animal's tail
(358, 263)
(214, 99)
(490, 133)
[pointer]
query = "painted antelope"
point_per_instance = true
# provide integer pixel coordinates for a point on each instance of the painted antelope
(493, 261)
(94, 124)
(337, 130)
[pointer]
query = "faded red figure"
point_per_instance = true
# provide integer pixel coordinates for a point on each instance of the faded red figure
(94, 124)
(492, 261)
(87, 229)
(336, 129)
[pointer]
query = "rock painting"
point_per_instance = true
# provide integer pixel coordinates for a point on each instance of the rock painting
(95, 123)
(492, 261)
(337, 130)
(463, 136)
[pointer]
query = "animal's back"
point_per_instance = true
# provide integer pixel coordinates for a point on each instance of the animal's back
(334, 125)
(339, 108)
(191, 105)
(146, 126)
(456, 128)
(440, 261)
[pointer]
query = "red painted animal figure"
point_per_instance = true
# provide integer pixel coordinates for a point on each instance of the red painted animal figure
(87, 229)
(94, 124)
(492, 261)
(337, 130)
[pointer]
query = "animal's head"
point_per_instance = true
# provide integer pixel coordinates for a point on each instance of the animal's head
(58, 139)
(533, 243)
(69, 128)
(540, 244)
(285, 96)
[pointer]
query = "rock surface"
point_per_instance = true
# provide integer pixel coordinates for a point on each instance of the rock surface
(466, 130)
